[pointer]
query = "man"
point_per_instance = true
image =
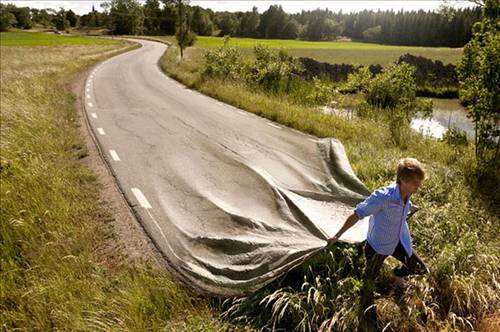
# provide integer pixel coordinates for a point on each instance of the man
(388, 233)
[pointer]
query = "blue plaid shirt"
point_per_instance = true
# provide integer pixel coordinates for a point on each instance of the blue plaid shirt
(387, 225)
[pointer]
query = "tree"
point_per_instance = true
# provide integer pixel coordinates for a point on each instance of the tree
(373, 34)
(152, 17)
(249, 24)
(479, 73)
(227, 24)
(22, 14)
(72, 18)
(201, 22)
(41, 16)
(126, 16)
(168, 17)
(60, 21)
(291, 30)
(320, 25)
(7, 19)
(185, 37)
(272, 22)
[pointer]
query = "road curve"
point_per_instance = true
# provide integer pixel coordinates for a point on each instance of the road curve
(232, 200)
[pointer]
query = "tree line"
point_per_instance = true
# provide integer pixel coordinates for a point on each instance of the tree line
(160, 17)
(27, 18)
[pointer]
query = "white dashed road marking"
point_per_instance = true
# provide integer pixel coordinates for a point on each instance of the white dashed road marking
(141, 198)
(93, 115)
(273, 125)
(114, 155)
(101, 131)
(90, 104)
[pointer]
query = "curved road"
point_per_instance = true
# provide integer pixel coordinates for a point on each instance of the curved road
(230, 199)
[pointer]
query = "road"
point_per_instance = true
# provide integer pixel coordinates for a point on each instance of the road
(231, 200)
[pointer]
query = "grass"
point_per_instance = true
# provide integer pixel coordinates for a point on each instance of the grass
(21, 38)
(333, 52)
(56, 271)
(455, 232)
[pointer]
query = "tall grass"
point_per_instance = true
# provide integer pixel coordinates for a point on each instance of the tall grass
(455, 232)
(56, 271)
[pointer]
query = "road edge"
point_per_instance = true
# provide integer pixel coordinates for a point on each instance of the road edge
(127, 224)
(128, 234)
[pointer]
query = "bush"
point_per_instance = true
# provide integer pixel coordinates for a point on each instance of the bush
(224, 62)
(455, 137)
(393, 87)
(273, 70)
(393, 92)
(358, 80)
(322, 93)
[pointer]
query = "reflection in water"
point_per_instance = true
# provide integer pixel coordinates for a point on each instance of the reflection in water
(447, 113)
(441, 121)
(429, 127)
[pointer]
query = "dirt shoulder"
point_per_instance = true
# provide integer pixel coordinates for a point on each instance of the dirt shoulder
(128, 236)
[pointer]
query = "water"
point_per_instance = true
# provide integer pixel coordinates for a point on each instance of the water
(447, 113)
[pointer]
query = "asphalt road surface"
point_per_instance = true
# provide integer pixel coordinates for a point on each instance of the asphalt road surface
(231, 200)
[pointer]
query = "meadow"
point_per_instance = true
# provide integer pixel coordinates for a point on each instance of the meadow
(332, 52)
(58, 270)
(21, 38)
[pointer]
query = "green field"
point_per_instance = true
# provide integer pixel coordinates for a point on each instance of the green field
(22, 38)
(335, 52)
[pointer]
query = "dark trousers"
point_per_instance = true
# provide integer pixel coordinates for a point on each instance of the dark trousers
(411, 265)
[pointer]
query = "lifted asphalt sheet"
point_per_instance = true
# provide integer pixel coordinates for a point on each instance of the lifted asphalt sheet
(234, 200)
(235, 236)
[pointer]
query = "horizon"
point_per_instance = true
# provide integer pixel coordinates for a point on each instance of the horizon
(82, 7)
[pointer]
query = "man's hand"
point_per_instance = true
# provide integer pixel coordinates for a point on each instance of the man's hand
(332, 240)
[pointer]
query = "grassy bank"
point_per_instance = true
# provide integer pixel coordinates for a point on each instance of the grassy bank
(333, 52)
(56, 271)
(455, 232)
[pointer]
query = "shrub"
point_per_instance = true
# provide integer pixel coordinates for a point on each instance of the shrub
(224, 62)
(273, 70)
(455, 137)
(322, 93)
(393, 91)
(358, 80)
(393, 87)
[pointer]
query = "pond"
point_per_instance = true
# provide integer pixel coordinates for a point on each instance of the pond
(447, 113)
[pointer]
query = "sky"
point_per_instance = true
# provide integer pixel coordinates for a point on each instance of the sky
(291, 6)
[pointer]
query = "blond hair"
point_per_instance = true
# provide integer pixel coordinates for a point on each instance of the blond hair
(410, 168)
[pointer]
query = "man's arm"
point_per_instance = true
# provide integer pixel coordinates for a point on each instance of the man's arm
(351, 220)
